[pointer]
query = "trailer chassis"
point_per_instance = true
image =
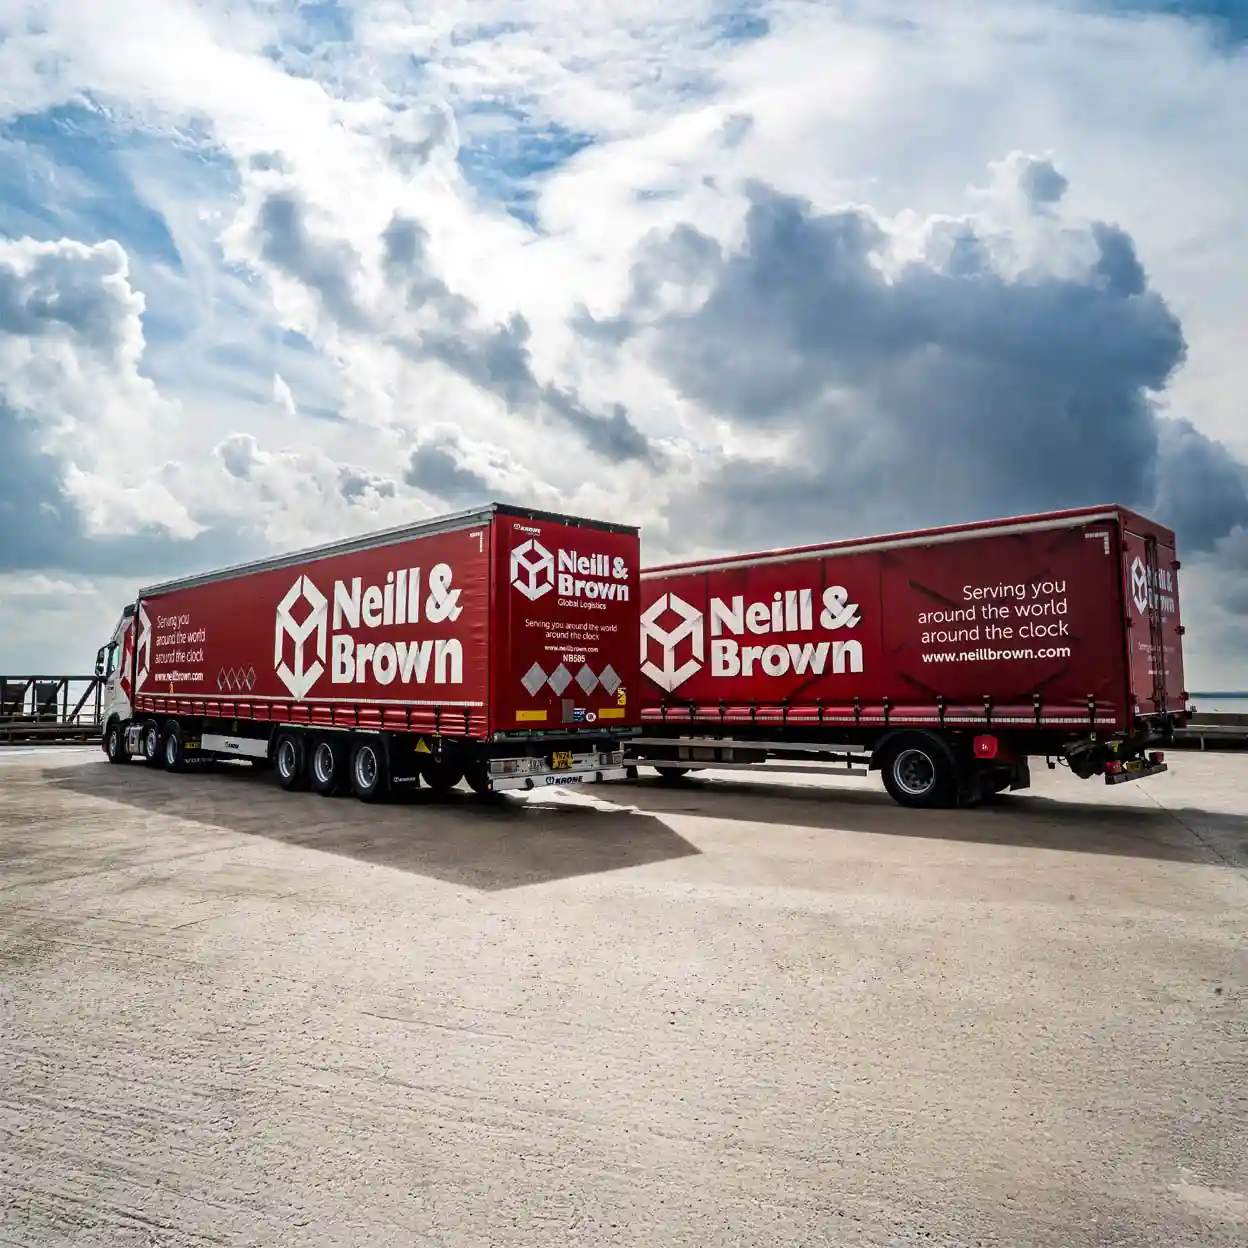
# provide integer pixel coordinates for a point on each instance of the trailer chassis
(920, 766)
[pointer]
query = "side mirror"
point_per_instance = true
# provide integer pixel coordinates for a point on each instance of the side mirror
(99, 661)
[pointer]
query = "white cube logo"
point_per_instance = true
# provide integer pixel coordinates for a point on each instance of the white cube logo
(666, 674)
(532, 569)
(1139, 585)
(300, 677)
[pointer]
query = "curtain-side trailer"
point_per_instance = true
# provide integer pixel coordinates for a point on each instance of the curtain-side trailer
(946, 658)
(497, 645)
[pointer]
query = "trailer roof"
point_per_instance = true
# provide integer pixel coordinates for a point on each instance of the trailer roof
(386, 537)
(1070, 518)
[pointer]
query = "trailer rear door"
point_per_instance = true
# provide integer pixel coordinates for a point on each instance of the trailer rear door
(566, 623)
(1150, 578)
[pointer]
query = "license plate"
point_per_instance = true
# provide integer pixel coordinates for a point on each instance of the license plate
(561, 758)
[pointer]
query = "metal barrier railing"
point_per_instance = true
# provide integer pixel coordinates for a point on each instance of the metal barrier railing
(49, 709)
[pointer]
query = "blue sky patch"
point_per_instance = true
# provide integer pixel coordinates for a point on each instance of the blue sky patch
(740, 23)
(505, 152)
(1227, 18)
(66, 171)
(328, 20)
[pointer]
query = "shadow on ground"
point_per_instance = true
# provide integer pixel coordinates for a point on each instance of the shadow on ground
(1019, 819)
(484, 843)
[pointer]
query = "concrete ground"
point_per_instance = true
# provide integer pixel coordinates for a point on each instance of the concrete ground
(726, 1012)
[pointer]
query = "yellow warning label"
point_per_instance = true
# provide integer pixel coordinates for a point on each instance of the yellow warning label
(421, 747)
(611, 712)
(621, 698)
(530, 717)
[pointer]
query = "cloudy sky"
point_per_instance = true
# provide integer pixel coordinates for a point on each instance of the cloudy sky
(273, 272)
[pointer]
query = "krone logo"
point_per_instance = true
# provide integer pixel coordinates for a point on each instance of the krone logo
(1139, 585)
(300, 678)
(666, 674)
(532, 569)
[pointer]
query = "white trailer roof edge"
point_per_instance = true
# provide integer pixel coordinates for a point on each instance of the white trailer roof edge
(852, 547)
(345, 546)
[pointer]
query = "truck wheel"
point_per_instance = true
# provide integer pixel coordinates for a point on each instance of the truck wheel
(477, 773)
(918, 772)
(671, 773)
(115, 744)
(369, 780)
(151, 744)
(290, 761)
(327, 766)
(173, 756)
(442, 773)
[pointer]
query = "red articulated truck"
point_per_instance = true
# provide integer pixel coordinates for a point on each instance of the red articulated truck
(946, 658)
(497, 645)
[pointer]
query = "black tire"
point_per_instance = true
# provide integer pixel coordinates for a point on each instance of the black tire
(370, 774)
(477, 774)
(441, 772)
(150, 743)
(920, 772)
(115, 744)
(327, 766)
(290, 761)
(173, 753)
(671, 773)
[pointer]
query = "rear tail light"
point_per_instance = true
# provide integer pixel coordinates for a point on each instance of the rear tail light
(1157, 757)
(1113, 767)
(986, 747)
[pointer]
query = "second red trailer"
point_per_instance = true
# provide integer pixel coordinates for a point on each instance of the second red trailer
(1057, 634)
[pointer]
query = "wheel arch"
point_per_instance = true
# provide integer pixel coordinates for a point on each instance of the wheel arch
(897, 737)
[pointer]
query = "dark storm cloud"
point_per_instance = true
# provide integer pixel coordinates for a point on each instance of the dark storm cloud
(497, 360)
(1233, 561)
(1041, 182)
(415, 136)
(356, 483)
(240, 455)
(37, 523)
(74, 294)
(41, 529)
(66, 289)
(324, 267)
(1202, 490)
(436, 470)
(944, 392)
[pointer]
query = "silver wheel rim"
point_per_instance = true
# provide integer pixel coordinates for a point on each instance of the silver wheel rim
(914, 772)
(365, 767)
(324, 763)
(286, 759)
(152, 743)
(171, 749)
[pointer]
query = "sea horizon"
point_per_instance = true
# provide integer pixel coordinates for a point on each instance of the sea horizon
(1219, 701)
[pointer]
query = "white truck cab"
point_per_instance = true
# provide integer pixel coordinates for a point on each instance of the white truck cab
(114, 665)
